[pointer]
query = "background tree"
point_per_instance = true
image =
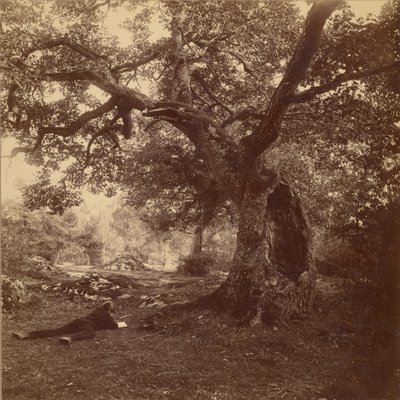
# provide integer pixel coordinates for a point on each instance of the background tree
(25, 234)
(228, 77)
(127, 224)
(92, 241)
(166, 182)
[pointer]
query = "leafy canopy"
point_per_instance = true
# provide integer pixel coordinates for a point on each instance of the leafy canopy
(72, 90)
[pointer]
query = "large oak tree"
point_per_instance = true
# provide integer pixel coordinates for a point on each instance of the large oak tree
(227, 76)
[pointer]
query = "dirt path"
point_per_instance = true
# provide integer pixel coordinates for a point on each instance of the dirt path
(149, 277)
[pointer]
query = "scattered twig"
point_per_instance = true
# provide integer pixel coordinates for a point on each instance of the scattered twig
(146, 336)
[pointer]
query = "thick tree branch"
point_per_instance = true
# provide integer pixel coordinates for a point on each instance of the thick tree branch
(88, 150)
(203, 100)
(145, 59)
(248, 112)
(180, 85)
(198, 127)
(108, 130)
(73, 75)
(32, 150)
(268, 130)
(201, 130)
(210, 140)
(124, 111)
(69, 130)
(342, 78)
(81, 121)
(181, 113)
(199, 78)
(64, 41)
(132, 97)
(94, 7)
(205, 45)
(241, 59)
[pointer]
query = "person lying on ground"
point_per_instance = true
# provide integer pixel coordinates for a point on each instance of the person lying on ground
(80, 328)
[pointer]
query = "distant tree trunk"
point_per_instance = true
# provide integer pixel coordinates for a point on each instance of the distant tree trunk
(164, 251)
(95, 256)
(197, 244)
(207, 214)
(273, 273)
(55, 257)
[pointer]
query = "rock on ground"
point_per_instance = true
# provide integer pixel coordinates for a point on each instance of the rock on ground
(39, 268)
(12, 292)
(127, 263)
(93, 286)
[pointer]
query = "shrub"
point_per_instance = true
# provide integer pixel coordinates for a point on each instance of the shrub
(197, 264)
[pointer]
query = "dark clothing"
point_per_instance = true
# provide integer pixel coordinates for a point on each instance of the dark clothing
(80, 328)
(100, 319)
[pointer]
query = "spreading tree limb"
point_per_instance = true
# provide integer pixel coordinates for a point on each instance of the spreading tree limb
(248, 112)
(108, 130)
(197, 75)
(268, 129)
(143, 60)
(309, 94)
(69, 130)
(180, 85)
(64, 41)
(247, 68)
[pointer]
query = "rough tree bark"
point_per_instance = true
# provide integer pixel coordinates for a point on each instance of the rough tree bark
(273, 272)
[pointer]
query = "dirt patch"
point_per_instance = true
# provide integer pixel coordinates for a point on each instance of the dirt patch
(199, 355)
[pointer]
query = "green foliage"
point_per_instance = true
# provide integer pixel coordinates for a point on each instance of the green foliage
(90, 237)
(168, 184)
(107, 166)
(376, 242)
(136, 235)
(26, 234)
(57, 198)
(197, 264)
(13, 238)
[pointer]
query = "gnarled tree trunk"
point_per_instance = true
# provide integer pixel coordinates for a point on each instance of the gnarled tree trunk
(273, 273)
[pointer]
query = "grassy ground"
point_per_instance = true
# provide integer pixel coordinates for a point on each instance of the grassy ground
(339, 352)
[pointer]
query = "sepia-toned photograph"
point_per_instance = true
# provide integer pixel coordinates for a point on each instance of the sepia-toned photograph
(200, 199)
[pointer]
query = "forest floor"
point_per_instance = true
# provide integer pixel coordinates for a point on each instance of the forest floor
(345, 350)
